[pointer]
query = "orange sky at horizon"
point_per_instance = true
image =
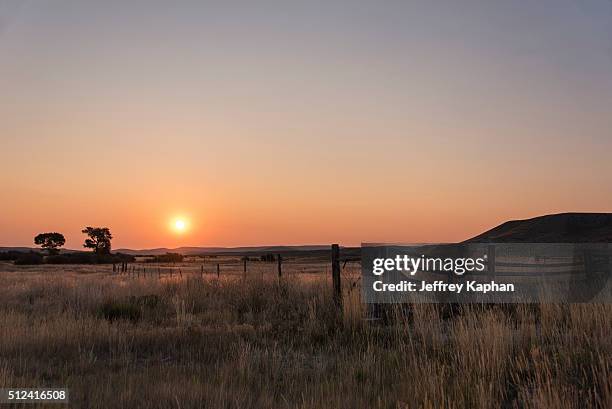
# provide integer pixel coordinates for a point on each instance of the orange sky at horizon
(397, 123)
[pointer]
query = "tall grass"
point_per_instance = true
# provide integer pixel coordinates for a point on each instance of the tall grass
(257, 343)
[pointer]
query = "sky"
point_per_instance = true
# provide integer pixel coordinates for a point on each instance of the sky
(262, 123)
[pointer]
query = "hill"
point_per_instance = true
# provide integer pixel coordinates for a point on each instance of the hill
(554, 228)
(187, 251)
(222, 250)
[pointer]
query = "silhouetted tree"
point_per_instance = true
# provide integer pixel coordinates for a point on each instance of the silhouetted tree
(99, 239)
(50, 241)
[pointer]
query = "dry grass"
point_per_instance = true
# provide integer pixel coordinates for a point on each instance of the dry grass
(120, 342)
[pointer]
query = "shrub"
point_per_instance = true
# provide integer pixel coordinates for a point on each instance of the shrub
(168, 258)
(268, 257)
(30, 258)
(10, 255)
(89, 258)
(57, 259)
(118, 310)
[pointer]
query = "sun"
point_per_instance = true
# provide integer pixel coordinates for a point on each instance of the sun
(179, 225)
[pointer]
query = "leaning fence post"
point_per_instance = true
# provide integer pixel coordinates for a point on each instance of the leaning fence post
(335, 259)
(280, 265)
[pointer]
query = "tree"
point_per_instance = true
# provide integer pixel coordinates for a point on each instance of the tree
(50, 241)
(99, 239)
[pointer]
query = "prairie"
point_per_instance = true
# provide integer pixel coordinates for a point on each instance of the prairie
(193, 340)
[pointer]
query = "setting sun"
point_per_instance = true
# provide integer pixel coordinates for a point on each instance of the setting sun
(180, 225)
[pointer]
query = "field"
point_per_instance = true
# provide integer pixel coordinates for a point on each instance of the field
(192, 340)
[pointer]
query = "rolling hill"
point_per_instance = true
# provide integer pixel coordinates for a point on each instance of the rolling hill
(221, 250)
(554, 228)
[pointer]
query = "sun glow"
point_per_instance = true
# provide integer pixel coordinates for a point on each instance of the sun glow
(179, 225)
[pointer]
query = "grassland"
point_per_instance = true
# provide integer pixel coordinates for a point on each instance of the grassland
(194, 341)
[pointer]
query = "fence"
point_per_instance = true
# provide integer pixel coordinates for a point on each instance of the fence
(334, 263)
(243, 266)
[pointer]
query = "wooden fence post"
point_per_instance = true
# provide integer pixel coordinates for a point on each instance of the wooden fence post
(491, 260)
(202, 271)
(335, 259)
(279, 260)
(218, 271)
(244, 271)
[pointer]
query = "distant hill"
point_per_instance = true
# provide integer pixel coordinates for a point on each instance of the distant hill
(20, 249)
(195, 250)
(36, 250)
(554, 228)
(221, 250)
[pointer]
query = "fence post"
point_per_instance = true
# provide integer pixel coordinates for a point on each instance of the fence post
(491, 260)
(279, 260)
(202, 271)
(218, 271)
(335, 259)
(244, 271)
